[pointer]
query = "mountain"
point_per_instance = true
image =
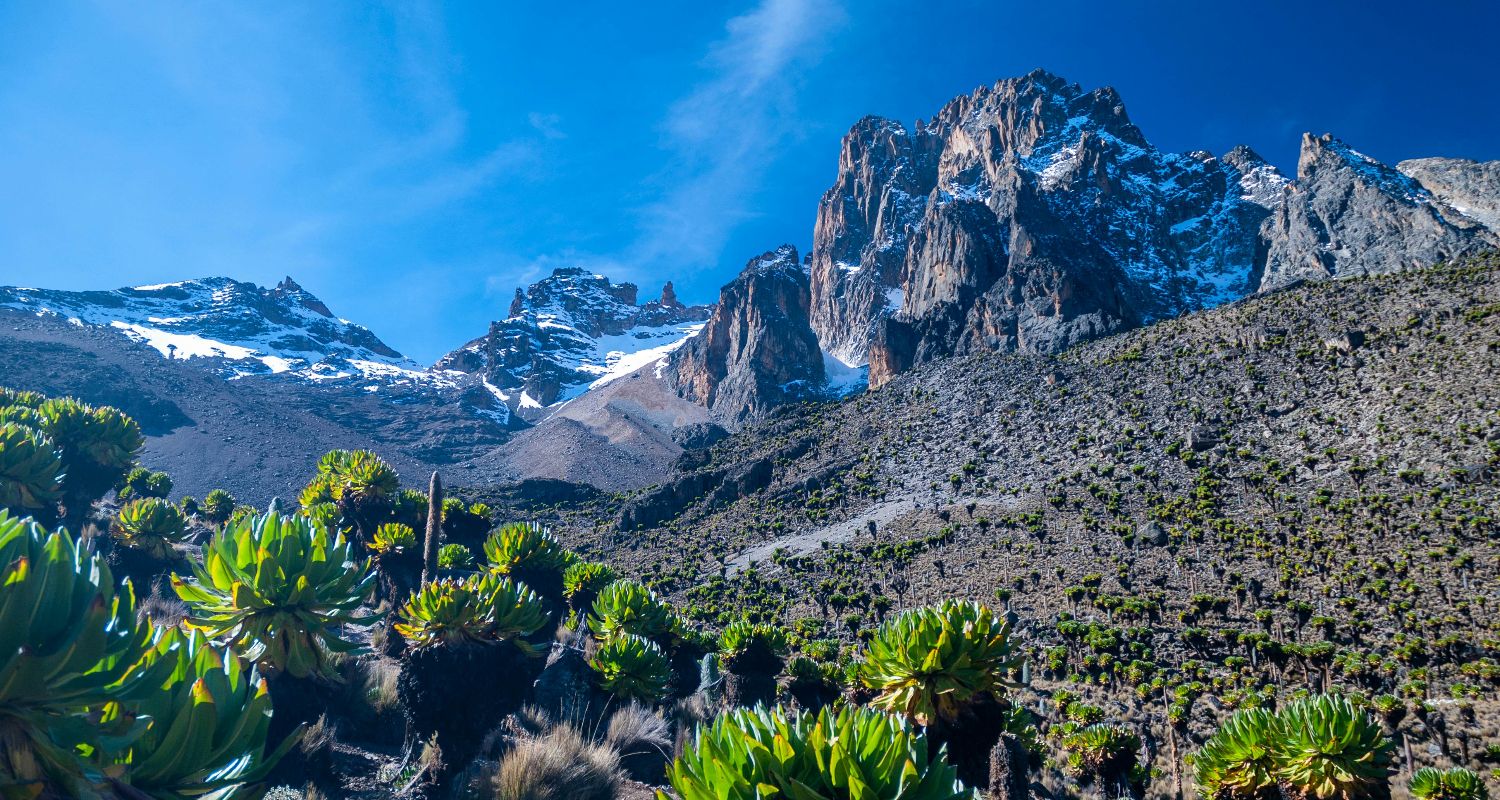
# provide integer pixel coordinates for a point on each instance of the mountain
(1349, 214)
(757, 350)
(1029, 215)
(1314, 468)
(1032, 215)
(206, 365)
(231, 328)
(569, 332)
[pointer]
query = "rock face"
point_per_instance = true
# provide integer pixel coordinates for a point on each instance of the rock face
(568, 332)
(1029, 215)
(1470, 188)
(757, 350)
(1349, 214)
(1032, 215)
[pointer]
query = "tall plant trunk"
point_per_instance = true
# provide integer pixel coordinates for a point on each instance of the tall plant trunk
(1009, 776)
(459, 693)
(434, 530)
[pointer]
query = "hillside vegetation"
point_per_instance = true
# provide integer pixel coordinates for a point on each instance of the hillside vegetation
(1245, 555)
(1295, 492)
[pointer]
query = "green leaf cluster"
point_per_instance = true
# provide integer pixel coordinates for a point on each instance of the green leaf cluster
(482, 608)
(279, 588)
(631, 668)
(857, 753)
(1321, 747)
(151, 525)
(930, 663)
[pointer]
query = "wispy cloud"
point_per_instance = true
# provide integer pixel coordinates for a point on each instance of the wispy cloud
(548, 125)
(726, 132)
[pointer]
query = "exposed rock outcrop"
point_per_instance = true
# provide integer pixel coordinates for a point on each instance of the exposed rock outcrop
(1029, 215)
(757, 350)
(1032, 215)
(1349, 214)
(1471, 189)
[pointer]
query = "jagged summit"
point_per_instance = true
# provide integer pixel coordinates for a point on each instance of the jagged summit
(567, 332)
(1349, 214)
(1039, 197)
(757, 350)
(235, 328)
(1033, 214)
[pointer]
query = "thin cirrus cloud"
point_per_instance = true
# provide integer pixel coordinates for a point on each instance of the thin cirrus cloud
(724, 133)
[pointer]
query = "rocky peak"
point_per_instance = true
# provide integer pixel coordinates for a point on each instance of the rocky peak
(290, 290)
(1469, 189)
(757, 350)
(1349, 214)
(567, 332)
(1028, 214)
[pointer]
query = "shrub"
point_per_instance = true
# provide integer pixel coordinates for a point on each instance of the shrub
(97, 447)
(68, 643)
(208, 724)
(142, 482)
(583, 581)
(217, 506)
(1454, 784)
(530, 553)
(859, 752)
(476, 609)
(455, 556)
(152, 526)
(746, 646)
(1238, 761)
(31, 471)
(393, 537)
(352, 475)
(628, 607)
(929, 663)
(1328, 748)
(1107, 753)
(1319, 747)
(631, 668)
(278, 589)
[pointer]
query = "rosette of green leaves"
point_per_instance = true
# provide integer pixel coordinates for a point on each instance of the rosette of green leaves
(151, 525)
(217, 506)
(583, 581)
(525, 550)
(754, 646)
(1239, 761)
(97, 446)
(392, 538)
(31, 471)
(629, 607)
(1458, 783)
(351, 474)
(1331, 749)
(279, 588)
(482, 608)
(632, 668)
(455, 556)
(69, 641)
(12, 398)
(206, 734)
(929, 663)
(749, 754)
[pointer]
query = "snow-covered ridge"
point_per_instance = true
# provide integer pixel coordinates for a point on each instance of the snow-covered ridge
(571, 332)
(231, 327)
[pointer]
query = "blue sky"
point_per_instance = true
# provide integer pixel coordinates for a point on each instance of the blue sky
(413, 163)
